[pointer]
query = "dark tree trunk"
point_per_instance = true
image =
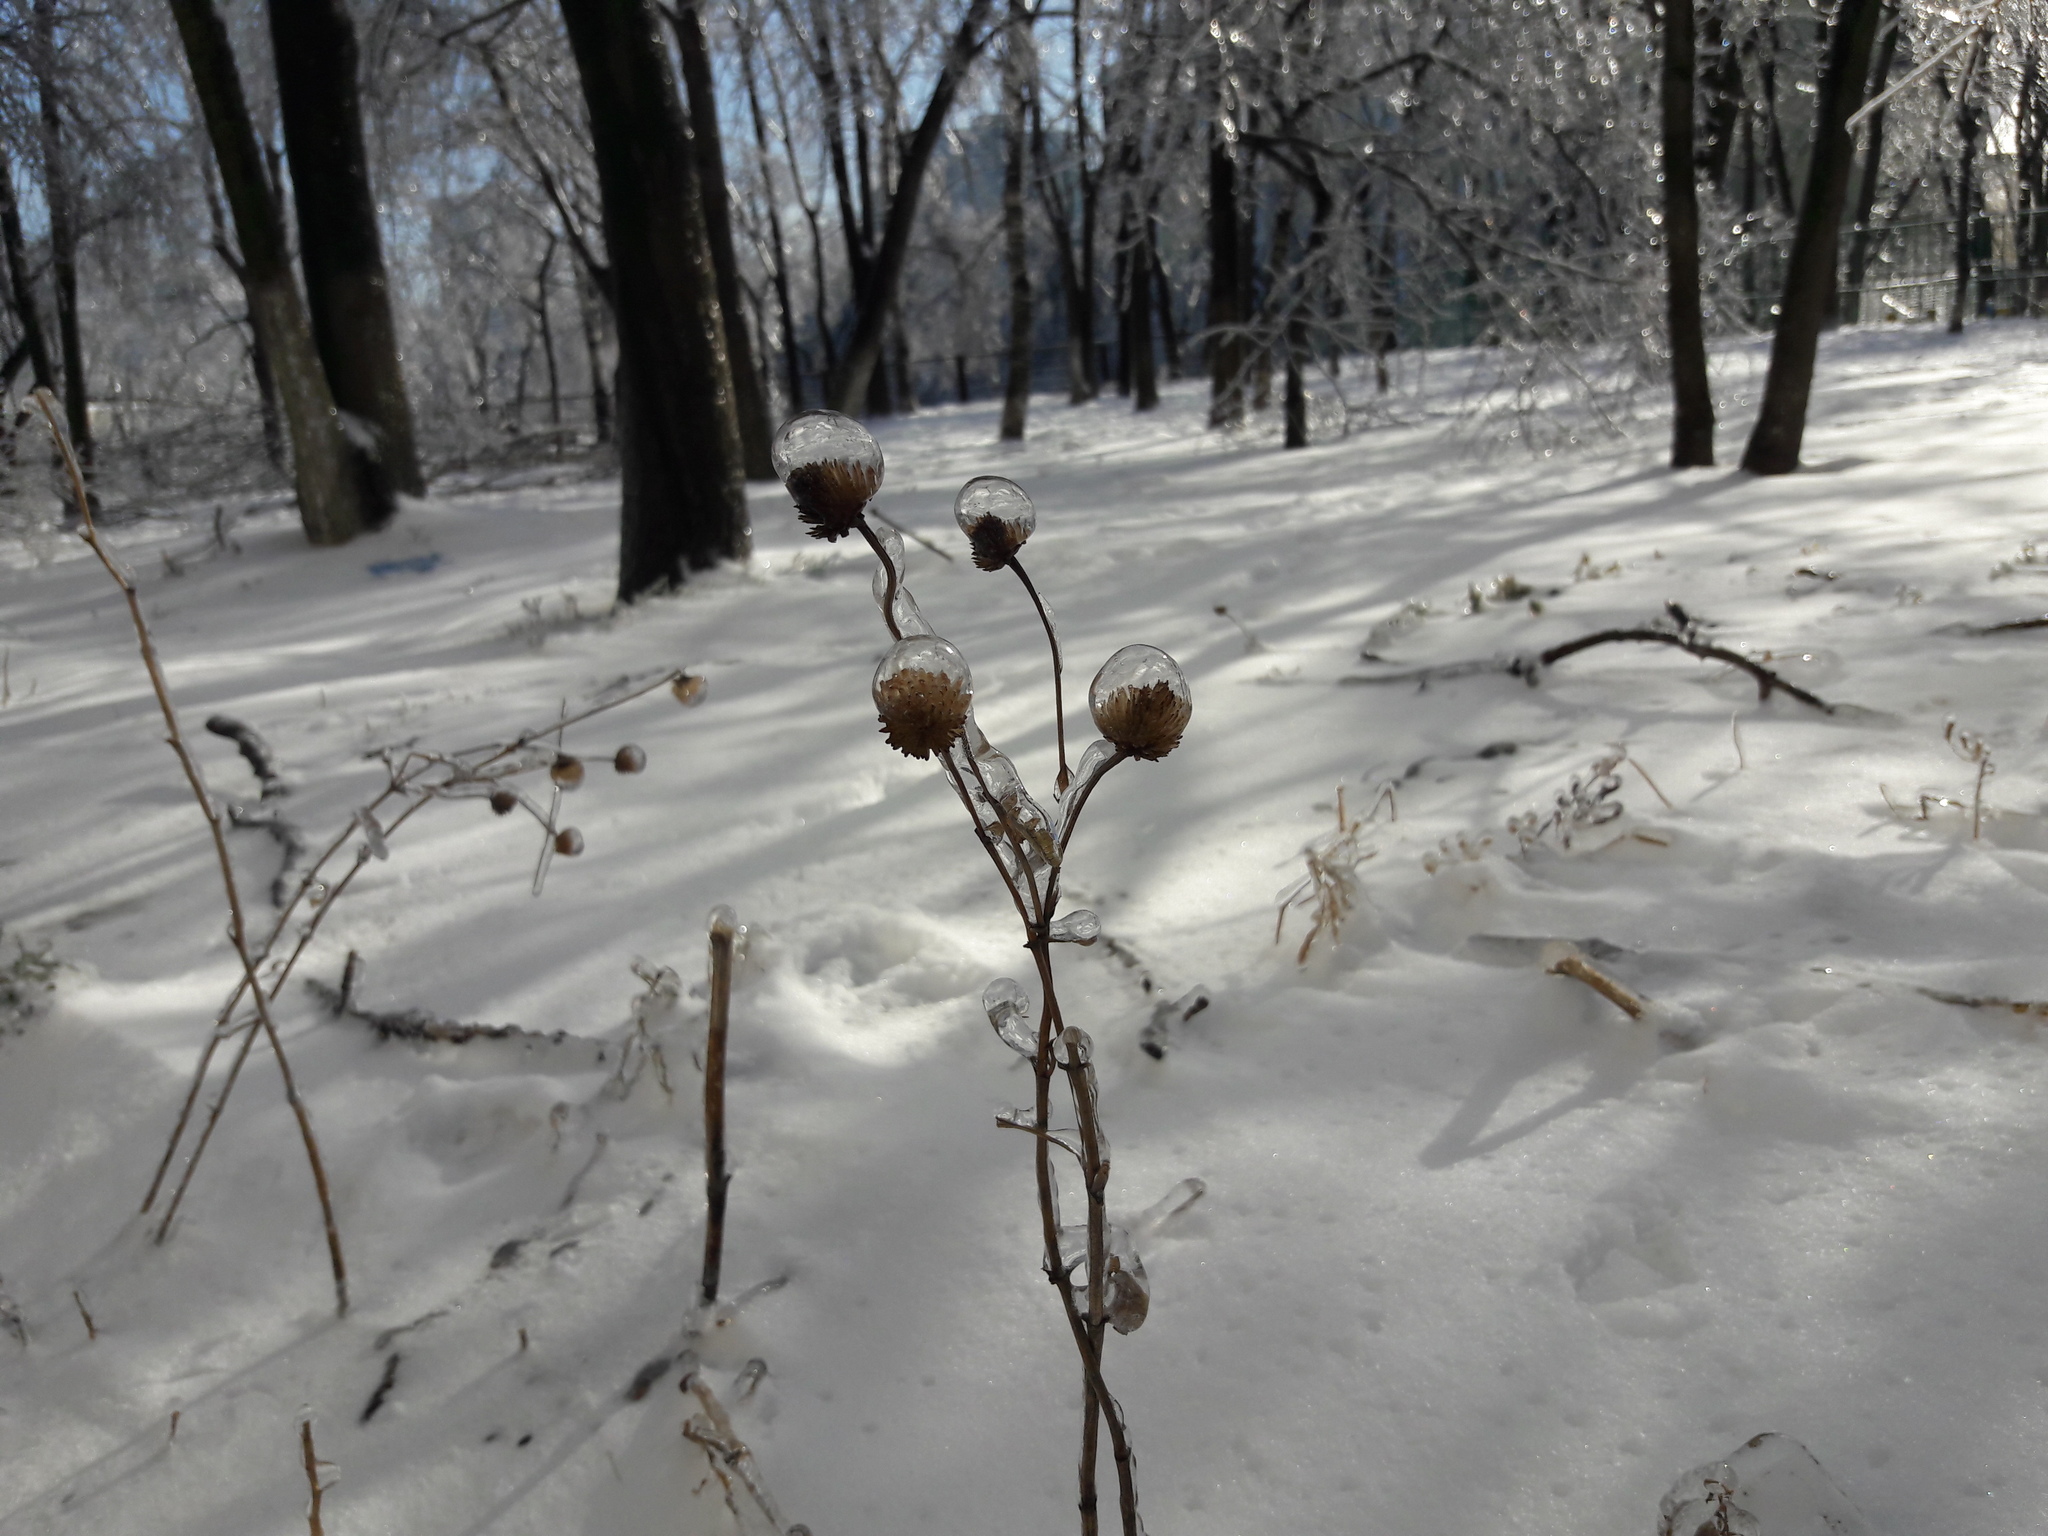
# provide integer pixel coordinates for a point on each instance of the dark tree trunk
(1779, 170)
(1227, 349)
(330, 504)
(1850, 306)
(1721, 74)
(1016, 258)
(57, 197)
(792, 357)
(1692, 416)
(683, 501)
(593, 310)
(547, 333)
(340, 250)
(1810, 270)
(21, 292)
(1969, 123)
(876, 297)
(1144, 370)
(266, 402)
(1162, 295)
(750, 401)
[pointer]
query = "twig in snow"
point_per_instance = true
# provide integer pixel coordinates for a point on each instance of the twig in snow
(237, 925)
(576, 1184)
(2040, 622)
(1330, 888)
(416, 1025)
(92, 1331)
(1166, 1018)
(1992, 1004)
(1252, 643)
(1735, 735)
(255, 751)
(384, 1385)
(724, 928)
(314, 1486)
(914, 536)
(285, 833)
(730, 1459)
(1567, 961)
(1975, 750)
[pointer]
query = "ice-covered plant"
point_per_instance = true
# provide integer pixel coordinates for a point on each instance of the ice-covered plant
(924, 693)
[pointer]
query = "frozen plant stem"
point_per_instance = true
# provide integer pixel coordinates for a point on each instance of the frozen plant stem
(313, 1489)
(1059, 702)
(237, 927)
(715, 1176)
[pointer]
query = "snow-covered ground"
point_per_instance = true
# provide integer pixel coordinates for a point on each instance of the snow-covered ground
(1476, 1253)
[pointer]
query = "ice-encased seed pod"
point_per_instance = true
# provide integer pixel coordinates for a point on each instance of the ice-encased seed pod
(922, 691)
(997, 518)
(832, 466)
(567, 771)
(629, 759)
(1141, 702)
(1009, 1013)
(688, 689)
(504, 802)
(568, 842)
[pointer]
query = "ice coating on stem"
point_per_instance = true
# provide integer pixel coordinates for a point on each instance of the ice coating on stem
(997, 518)
(722, 922)
(1141, 702)
(1094, 763)
(1077, 927)
(1126, 1293)
(1009, 1013)
(1014, 809)
(832, 466)
(909, 618)
(922, 690)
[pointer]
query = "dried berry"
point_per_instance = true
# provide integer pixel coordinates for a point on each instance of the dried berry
(629, 759)
(688, 689)
(567, 771)
(504, 802)
(922, 691)
(568, 842)
(1141, 702)
(832, 467)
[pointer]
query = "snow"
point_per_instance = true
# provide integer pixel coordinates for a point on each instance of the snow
(1476, 1252)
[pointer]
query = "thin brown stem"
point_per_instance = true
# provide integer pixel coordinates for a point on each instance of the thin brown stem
(888, 570)
(715, 1176)
(313, 1488)
(1095, 1176)
(988, 844)
(1073, 813)
(1059, 704)
(237, 926)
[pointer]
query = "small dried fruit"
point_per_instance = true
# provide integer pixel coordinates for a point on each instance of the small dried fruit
(688, 689)
(832, 467)
(922, 691)
(997, 518)
(568, 842)
(504, 801)
(629, 759)
(567, 771)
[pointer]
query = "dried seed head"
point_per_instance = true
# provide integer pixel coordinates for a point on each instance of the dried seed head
(997, 518)
(567, 771)
(688, 689)
(504, 802)
(922, 690)
(1140, 702)
(568, 842)
(629, 759)
(832, 467)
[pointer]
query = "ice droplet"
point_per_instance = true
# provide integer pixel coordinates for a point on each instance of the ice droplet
(1079, 1048)
(1009, 1012)
(1127, 1294)
(373, 834)
(818, 437)
(722, 922)
(1077, 927)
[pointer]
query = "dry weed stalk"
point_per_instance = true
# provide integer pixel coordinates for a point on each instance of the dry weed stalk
(1566, 960)
(1976, 751)
(924, 692)
(1330, 888)
(317, 1480)
(724, 927)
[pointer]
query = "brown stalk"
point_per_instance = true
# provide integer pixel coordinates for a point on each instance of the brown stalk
(1763, 676)
(1580, 969)
(1059, 706)
(92, 1331)
(889, 569)
(1095, 1177)
(313, 1526)
(715, 1176)
(237, 926)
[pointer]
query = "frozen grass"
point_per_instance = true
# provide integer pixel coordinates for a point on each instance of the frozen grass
(1477, 1253)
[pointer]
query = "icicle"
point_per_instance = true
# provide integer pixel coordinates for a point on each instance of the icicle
(1077, 927)
(1009, 1013)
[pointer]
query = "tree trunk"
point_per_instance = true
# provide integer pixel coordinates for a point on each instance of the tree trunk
(1692, 415)
(877, 296)
(1227, 350)
(1850, 306)
(750, 401)
(1969, 123)
(1721, 73)
(57, 197)
(1810, 270)
(1162, 294)
(1144, 370)
(330, 505)
(792, 357)
(593, 310)
(340, 250)
(1017, 383)
(21, 291)
(683, 501)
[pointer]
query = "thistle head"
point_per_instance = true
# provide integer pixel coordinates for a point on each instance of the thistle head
(1141, 702)
(832, 467)
(922, 691)
(997, 518)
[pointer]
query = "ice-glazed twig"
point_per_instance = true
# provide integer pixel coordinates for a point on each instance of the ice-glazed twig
(724, 929)
(1569, 962)
(237, 925)
(1059, 698)
(1765, 678)
(314, 1488)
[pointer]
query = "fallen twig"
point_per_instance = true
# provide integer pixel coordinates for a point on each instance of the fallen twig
(92, 1331)
(314, 1487)
(728, 1454)
(724, 928)
(422, 1027)
(255, 751)
(1993, 1004)
(1567, 961)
